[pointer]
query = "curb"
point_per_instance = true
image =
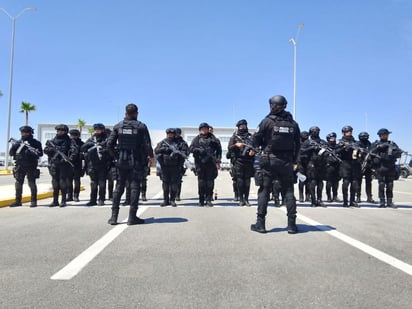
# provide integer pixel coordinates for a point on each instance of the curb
(27, 198)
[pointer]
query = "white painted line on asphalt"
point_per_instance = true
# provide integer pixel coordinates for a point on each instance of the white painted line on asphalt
(78, 263)
(401, 192)
(382, 256)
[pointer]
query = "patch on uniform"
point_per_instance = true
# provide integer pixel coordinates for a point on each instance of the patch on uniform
(283, 129)
(127, 131)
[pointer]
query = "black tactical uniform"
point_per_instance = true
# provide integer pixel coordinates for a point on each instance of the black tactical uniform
(332, 175)
(61, 150)
(26, 153)
(279, 137)
(207, 151)
(350, 168)
(387, 152)
(131, 140)
(77, 172)
(183, 147)
(311, 153)
(112, 173)
(365, 145)
(303, 186)
(98, 162)
(171, 161)
(242, 152)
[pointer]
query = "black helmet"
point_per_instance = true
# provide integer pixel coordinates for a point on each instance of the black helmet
(178, 131)
(304, 134)
(278, 101)
(171, 130)
(74, 132)
(108, 131)
(99, 126)
(241, 122)
(331, 135)
(347, 129)
(383, 131)
(314, 130)
(204, 125)
(363, 136)
(61, 127)
(26, 129)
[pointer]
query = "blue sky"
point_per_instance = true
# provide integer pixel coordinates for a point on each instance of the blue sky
(188, 61)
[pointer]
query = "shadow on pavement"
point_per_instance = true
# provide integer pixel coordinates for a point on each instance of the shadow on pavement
(153, 220)
(303, 228)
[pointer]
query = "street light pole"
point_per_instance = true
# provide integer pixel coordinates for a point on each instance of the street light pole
(294, 41)
(13, 23)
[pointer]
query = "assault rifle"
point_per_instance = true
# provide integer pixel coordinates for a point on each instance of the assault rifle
(23, 144)
(58, 152)
(323, 148)
(98, 146)
(174, 150)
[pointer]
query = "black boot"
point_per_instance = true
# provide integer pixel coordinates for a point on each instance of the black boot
(144, 199)
(259, 226)
(76, 197)
(133, 219)
(113, 218)
(390, 203)
(55, 200)
(69, 197)
(91, 203)
(33, 201)
(292, 228)
(382, 203)
(17, 203)
(19, 193)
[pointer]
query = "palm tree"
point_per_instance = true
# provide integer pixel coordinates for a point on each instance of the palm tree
(81, 123)
(91, 130)
(26, 108)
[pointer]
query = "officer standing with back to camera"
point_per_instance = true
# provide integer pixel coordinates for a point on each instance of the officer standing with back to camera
(242, 152)
(98, 162)
(61, 150)
(279, 137)
(207, 152)
(77, 172)
(130, 144)
(387, 152)
(26, 153)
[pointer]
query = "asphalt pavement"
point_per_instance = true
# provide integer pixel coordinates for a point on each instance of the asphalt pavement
(206, 257)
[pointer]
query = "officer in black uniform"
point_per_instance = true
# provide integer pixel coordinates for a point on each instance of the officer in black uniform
(303, 186)
(183, 147)
(26, 153)
(242, 152)
(61, 150)
(77, 172)
(350, 168)
(332, 176)
(98, 162)
(207, 151)
(311, 152)
(365, 145)
(279, 136)
(130, 143)
(171, 161)
(111, 174)
(387, 153)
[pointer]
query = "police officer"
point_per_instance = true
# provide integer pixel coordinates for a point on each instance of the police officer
(241, 149)
(183, 147)
(350, 168)
(332, 176)
(98, 163)
(311, 152)
(130, 143)
(279, 136)
(171, 161)
(61, 150)
(26, 153)
(367, 172)
(303, 186)
(77, 172)
(207, 152)
(387, 153)
(111, 174)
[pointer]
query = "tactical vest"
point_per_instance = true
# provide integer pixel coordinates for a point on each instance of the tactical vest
(128, 136)
(283, 134)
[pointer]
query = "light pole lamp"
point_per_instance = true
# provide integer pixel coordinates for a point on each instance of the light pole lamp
(294, 41)
(13, 23)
